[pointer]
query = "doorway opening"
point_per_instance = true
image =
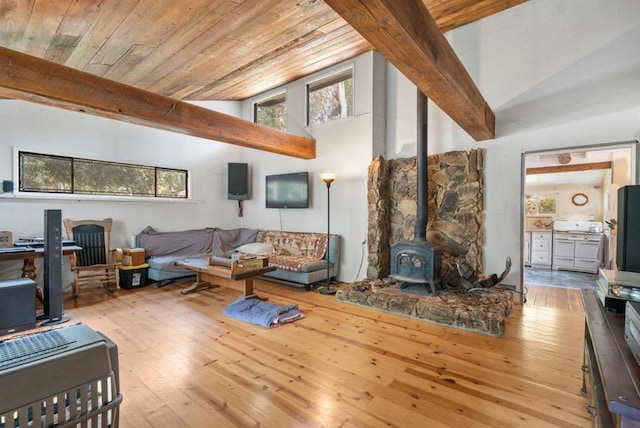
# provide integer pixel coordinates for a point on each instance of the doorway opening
(569, 212)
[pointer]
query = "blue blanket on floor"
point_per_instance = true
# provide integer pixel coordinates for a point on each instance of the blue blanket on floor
(258, 312)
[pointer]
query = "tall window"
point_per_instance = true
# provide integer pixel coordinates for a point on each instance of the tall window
(272, 112)
(330, 98)
(541, 204)
(41, 173)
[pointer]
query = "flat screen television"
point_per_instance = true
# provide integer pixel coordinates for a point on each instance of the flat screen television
(288, 190)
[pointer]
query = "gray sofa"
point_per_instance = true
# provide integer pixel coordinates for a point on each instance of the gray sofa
(301, 256)
(163, 249)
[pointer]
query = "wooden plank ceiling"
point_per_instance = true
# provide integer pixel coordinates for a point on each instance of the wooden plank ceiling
(201, 49)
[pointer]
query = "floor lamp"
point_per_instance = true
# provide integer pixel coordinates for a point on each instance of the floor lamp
(328, 178)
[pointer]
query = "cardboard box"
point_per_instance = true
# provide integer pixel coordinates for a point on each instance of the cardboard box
(253, 264)
(133, 256)
(133, 276)
(6, 239)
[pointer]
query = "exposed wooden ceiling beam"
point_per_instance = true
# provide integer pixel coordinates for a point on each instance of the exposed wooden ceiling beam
(406, 34)
(568, 168)
(33, 79)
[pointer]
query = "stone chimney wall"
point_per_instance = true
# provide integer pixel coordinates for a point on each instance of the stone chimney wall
(455, 209)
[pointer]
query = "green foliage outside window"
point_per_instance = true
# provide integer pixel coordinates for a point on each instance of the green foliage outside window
(272, 112)
(540, 204)
(42, 173)
(171, 183)
(547, 204)
(330, 98)
(530, 205)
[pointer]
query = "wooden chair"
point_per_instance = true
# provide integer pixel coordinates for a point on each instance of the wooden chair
(96, 263)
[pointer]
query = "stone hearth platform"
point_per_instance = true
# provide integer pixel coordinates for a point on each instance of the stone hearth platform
(483, 311)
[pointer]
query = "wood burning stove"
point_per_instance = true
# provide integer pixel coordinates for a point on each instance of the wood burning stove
(417, 262)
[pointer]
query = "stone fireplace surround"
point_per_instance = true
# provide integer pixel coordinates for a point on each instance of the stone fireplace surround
(455, 210)
(454, 224)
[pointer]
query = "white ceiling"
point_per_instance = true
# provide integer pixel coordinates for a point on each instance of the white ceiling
(578, 156)
(593, 177)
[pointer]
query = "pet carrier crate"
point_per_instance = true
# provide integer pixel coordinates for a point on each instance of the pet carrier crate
(76, 385)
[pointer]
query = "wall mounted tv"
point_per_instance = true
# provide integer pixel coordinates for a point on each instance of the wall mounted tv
(288, 190)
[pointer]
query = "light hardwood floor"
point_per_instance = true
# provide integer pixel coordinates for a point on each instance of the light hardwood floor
(564, 299)
(184, 364)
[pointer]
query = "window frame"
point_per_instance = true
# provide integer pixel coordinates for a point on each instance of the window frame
(536, 197)
(35, 194)
(273, 99)
(326, 80)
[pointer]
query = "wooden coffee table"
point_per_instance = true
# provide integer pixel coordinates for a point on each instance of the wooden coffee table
(234, 276)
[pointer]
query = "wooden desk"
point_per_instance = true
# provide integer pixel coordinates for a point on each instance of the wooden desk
(208, 276)
(29, 257)
(29, 262)
(611, 374)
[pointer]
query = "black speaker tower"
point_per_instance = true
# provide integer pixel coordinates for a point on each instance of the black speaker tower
(628, 248)
(238, 189)
(53, 268)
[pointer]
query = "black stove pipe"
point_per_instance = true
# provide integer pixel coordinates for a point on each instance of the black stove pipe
(420, 231)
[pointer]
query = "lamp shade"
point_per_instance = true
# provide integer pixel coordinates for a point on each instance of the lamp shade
(328, 177)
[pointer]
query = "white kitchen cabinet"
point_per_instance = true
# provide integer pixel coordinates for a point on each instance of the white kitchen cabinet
(541, 249)
(527, 249)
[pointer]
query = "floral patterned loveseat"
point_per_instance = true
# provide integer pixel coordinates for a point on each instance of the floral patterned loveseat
(301, 256)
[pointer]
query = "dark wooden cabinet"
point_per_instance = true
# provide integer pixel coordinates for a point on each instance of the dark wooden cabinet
(611, 377)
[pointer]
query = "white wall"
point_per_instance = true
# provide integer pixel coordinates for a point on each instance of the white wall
(565, 209)
(343, 146)
(556, 74)
(43, 129)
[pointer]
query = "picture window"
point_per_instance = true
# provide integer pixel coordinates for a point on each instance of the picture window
(43, 173)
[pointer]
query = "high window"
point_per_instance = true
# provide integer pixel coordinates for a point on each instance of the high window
(272, 112)
(42, 173)
(330, 98)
